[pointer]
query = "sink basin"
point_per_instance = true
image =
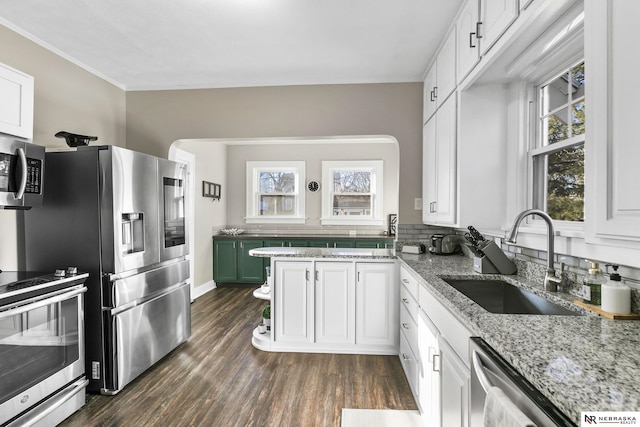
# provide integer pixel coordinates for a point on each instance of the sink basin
(497, 296)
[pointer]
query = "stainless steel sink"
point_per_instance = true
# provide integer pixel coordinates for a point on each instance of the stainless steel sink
(497, 296)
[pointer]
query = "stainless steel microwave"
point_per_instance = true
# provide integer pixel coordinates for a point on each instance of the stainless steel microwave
(21, 173)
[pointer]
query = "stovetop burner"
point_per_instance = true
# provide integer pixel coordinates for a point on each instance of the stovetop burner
(17, 285)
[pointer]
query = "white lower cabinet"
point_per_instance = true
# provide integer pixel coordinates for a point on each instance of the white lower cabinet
(334, 306)
(335, 295)
(456, 377)
(292, 314)
(376, 305)
(429, 371)
(438, 371)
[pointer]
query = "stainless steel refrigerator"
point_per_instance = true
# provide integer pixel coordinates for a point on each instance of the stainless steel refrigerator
(118, 215)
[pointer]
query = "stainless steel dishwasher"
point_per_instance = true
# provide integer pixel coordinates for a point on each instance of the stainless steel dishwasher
(489, 369)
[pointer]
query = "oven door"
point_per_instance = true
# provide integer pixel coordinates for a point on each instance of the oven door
(41, 349)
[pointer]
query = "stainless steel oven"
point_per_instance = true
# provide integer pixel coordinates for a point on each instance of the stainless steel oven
(21, 173)
(42, 378)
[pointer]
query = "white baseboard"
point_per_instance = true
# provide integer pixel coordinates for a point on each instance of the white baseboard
(198, 291)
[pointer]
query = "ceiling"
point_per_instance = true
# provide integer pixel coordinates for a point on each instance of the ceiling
(168, 44)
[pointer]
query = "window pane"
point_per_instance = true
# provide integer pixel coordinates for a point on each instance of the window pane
(351, 182)
(277, 205)
(577, 118)
(577, 81)
(565, 183)
(344, 204)
(556, 126)
(277, 182)
(555, 94)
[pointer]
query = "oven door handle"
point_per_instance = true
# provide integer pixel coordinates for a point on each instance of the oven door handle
(482, 376)
(23, 178)
(74, 389)
(42, 303)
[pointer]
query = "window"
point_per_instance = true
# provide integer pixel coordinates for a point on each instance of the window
(274, 192)
(352, 192)
(557, 159)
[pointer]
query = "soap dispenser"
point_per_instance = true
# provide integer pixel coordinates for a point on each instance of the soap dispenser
(592, 288)
(616, 297)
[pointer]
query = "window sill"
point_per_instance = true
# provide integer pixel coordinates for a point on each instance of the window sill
(359, 221)
(281, 220)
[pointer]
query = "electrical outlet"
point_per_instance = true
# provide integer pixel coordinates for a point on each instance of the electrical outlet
(417, 204)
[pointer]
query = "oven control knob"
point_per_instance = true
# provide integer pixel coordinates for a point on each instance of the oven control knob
(59, 273)
(72, 271)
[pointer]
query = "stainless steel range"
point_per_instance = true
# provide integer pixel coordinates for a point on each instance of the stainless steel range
(42, 368)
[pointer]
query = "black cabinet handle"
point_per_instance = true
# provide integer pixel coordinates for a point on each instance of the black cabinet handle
(471, 37)
(478, 35)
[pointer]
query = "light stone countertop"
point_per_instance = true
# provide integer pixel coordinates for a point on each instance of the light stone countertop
(580, 363)
(323, 252)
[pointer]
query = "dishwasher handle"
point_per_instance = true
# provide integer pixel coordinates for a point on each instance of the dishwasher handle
(479, 369)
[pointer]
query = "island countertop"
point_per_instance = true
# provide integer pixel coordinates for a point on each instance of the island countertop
(581, 363)
(295, 252)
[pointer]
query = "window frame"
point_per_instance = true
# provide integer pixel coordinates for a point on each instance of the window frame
(376, 167)
(253, 194)
(539, 147)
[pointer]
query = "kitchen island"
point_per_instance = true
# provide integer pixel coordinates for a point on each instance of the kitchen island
(331, 300)
(581, 363)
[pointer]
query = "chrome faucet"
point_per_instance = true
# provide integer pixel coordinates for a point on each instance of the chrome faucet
(551, 282)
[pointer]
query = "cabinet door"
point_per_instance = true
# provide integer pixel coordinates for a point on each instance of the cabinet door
(225, 261)
(429, 371)
(429, 171)
(446, 69)
(16, 102)
(293, 301)
(455, 388)
(446, 163)
(335, 295)
(250, 268)
(429, 99)
(467, 52)
(611, 148)
(376, 304)
(495, 17)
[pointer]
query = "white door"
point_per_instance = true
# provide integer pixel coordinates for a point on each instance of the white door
(429, 379)
(446, 163)
(293, 299)
(495, 17)
(467, 52)
(377, 311)
(335, 294)
(456, 379)
(446, 68)
(16, 102)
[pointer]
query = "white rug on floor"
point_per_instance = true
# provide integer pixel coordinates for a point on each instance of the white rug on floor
(380, 418)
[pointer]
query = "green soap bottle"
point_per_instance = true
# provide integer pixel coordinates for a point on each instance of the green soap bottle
(592, 288)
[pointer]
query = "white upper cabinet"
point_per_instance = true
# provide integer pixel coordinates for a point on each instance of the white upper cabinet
(612, 149)
(440, 80)
(495, 17)
(429, 100)
(467, 50)
(16, 102)
(439, 166)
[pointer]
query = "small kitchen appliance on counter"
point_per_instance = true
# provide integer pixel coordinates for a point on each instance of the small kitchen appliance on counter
(444, 244)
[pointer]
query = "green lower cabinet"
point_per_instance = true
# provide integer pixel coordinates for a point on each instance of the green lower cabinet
(250, 268)
(374, 244)
(225, 261)
(233, 264)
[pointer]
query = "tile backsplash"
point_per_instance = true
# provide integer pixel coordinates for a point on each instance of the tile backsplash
(531, 263)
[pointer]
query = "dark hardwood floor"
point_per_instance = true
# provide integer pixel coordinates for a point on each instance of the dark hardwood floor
(219, 379)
